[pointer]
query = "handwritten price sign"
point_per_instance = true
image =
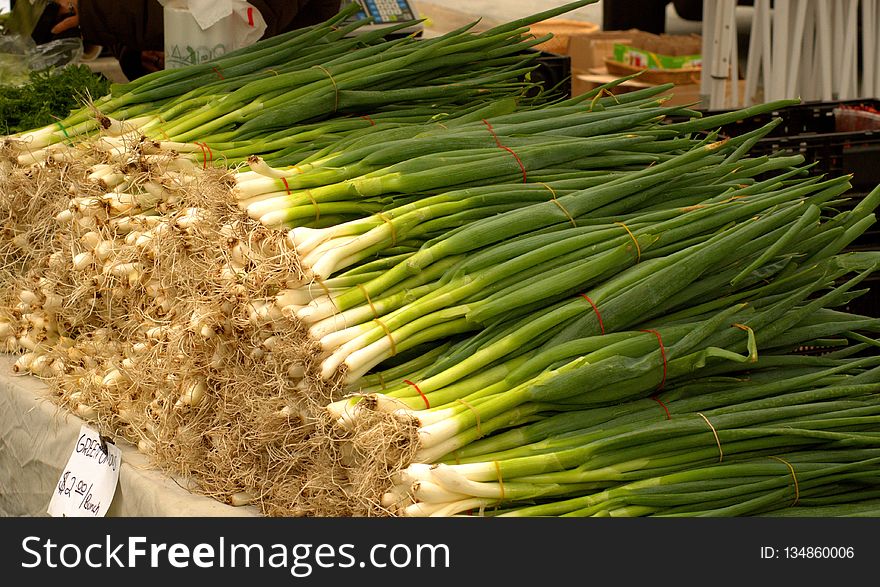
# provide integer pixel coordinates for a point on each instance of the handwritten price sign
(89, 479)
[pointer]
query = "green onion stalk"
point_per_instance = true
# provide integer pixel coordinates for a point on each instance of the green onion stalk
(159, 87)
(550, 124)
(591, 371)
(513, 275)
(685, 426)
(769, 485)
(306, 74)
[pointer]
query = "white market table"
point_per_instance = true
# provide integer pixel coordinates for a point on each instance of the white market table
(36, 439)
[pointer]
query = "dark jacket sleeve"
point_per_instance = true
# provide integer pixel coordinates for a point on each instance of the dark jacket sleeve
(285, 15)
(136, 24)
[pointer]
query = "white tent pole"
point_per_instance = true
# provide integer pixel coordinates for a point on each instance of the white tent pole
(837, 22)
(707, 56)
(721, 52)
(753, 65)
(869, 7)
(807, 86)
(781, 13)
(876, 93)
(824, 45)
(796, 43)
(849, 53)
(734, 57)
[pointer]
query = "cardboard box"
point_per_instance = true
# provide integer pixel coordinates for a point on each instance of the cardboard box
(680, 95)
(672, 45)
(635, 56)
(564, 32)
(590, 51)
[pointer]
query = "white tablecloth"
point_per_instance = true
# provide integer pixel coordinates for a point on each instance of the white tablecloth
(36, 439)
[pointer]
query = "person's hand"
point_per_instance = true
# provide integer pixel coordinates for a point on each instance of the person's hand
(153, 60)
(68, 7)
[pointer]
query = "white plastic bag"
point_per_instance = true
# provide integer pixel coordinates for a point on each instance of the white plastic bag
(20, 55)
(197, 31)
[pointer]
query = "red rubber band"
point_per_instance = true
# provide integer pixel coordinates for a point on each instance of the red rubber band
(210, 154)
(492, 130)
(287, 187)
(368, 119)
(408, 382)
(595, 309)
(521, 166)
(250, 14)
(662, 405)
(508, 149)
(217, 71)
(204, 154)
(662, 354)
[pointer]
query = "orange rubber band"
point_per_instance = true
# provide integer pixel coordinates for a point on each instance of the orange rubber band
(558, 203)
(325, 288)
(368, 119)
(662, 355)
(424, 397)
(286, 186)
(335, 87)
(390, 224)
(595, 309)
(500, 481)
(715, 432)
(381, 380)
(387, 333)
(315, 204)
(217, 71)
(162, 129)
(369, 301)
(476, 414)
(634, 239)
(797, 491)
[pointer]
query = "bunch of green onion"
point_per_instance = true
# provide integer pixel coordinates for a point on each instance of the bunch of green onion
(265, 98)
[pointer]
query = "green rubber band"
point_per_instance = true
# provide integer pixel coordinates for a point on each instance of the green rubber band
(64, 130)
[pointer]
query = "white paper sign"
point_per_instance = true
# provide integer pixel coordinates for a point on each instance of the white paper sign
(89, 479)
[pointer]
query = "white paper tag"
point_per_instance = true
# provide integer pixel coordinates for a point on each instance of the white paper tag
(89, 479)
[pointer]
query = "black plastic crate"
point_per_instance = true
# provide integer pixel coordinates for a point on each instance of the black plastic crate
(834, 153)
(867, 304)
(801, 119)
(810, 129)
(553, 72)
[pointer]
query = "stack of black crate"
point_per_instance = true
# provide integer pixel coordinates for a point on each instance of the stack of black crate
(811, 130)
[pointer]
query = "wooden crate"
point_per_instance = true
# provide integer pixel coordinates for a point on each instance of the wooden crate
(591, 51)
(683, 76)
(563, 31)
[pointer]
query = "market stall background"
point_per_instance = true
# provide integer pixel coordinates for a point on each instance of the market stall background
(262, 194)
